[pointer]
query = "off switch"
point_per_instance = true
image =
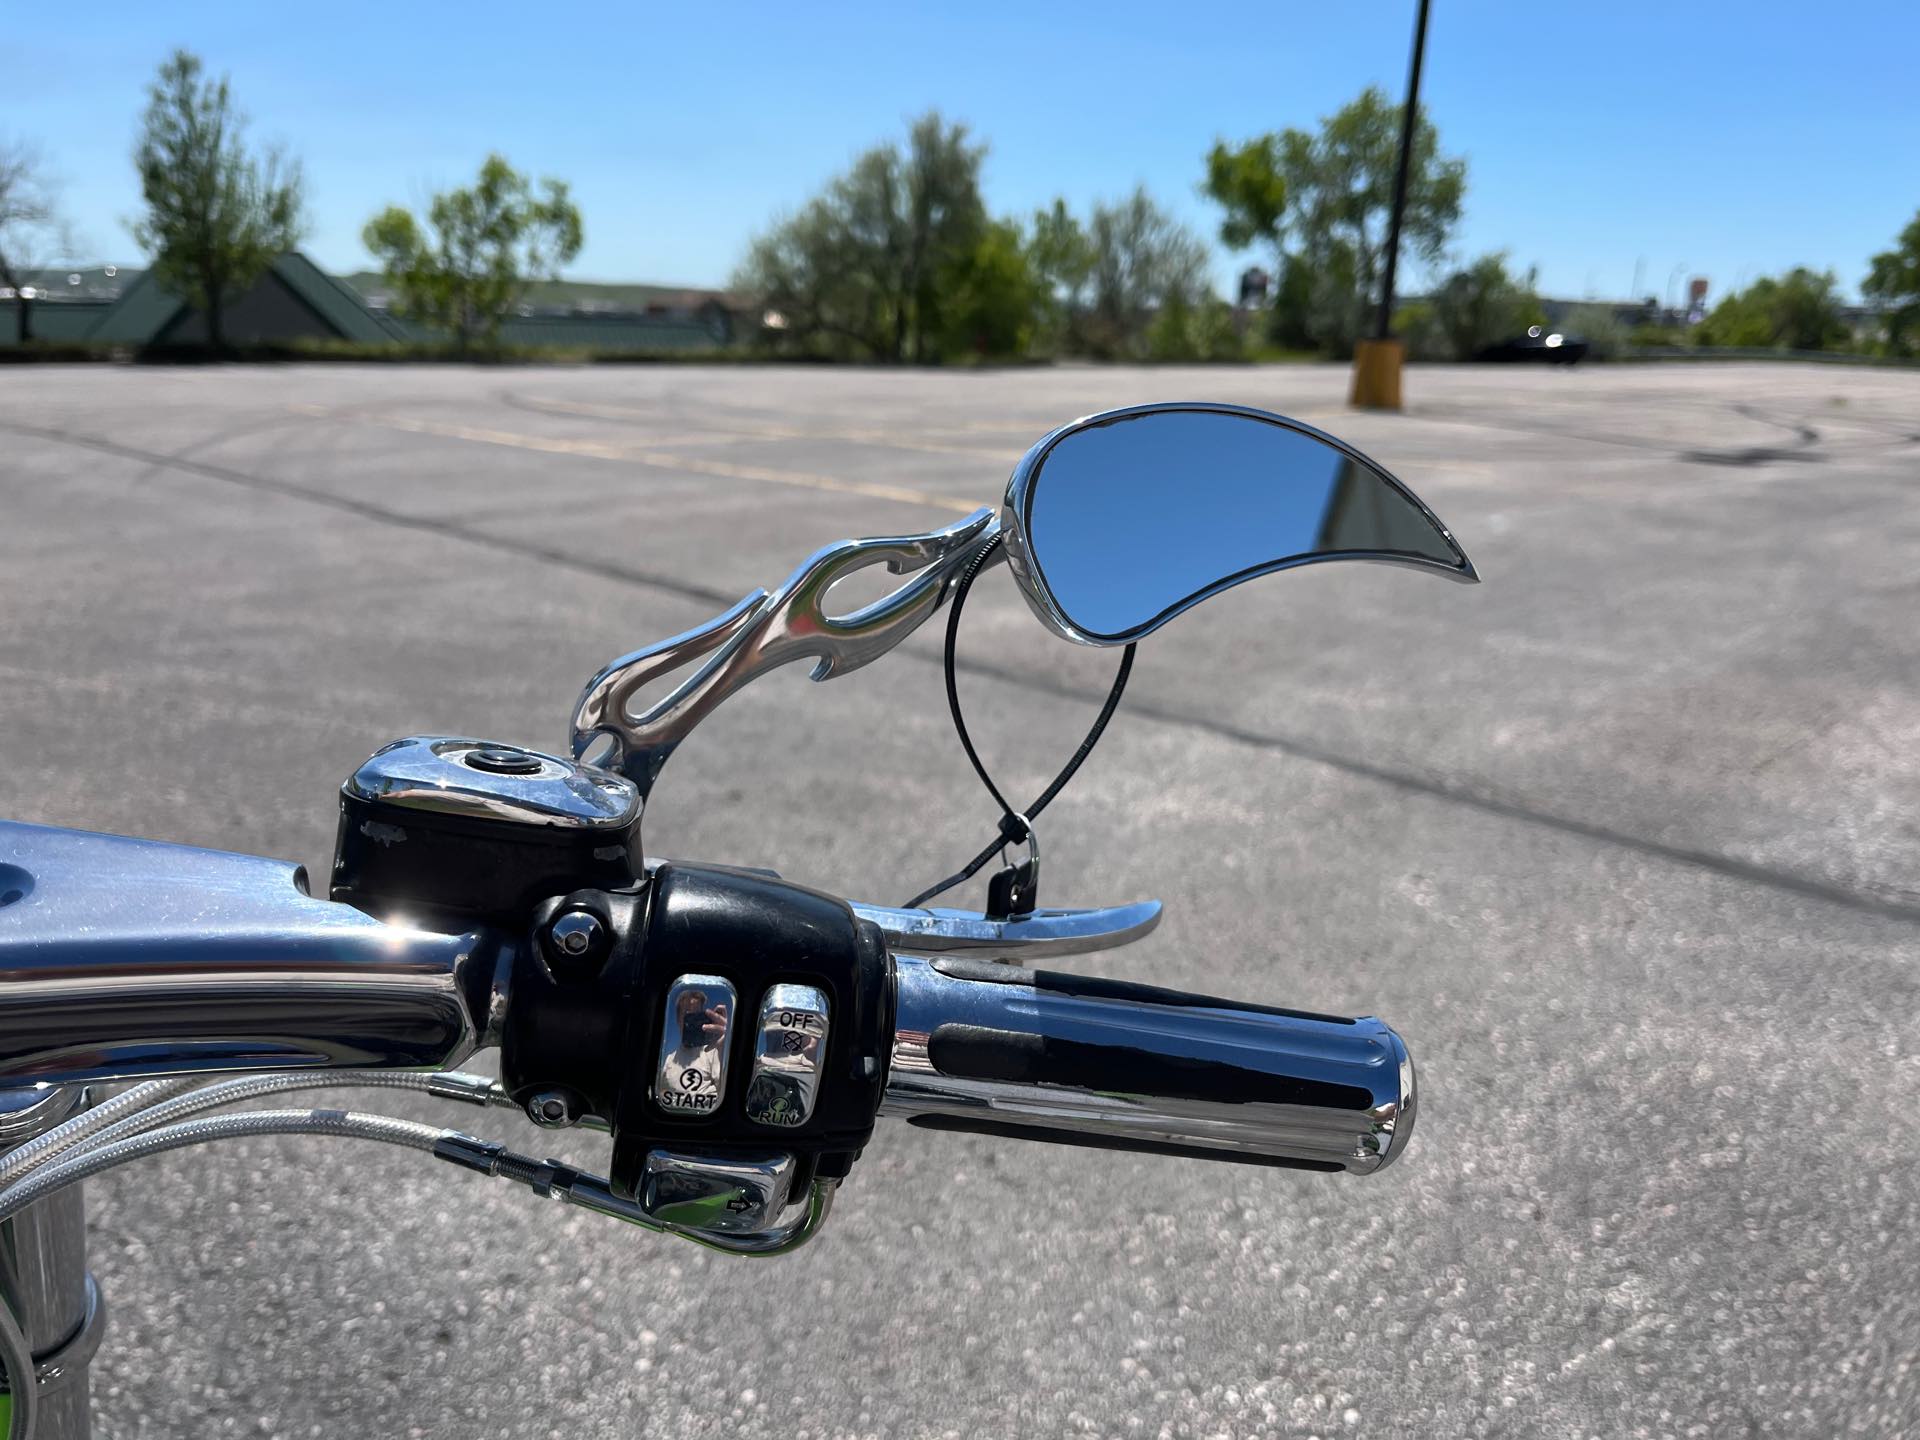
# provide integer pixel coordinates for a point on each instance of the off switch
(787, 1056)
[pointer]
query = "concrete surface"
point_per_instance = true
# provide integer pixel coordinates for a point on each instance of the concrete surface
(1626, 842)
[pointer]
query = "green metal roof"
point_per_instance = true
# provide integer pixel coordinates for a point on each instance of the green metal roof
(145, 311)
(147, 314)
(142, 312)
(333, 300)
(52, 319)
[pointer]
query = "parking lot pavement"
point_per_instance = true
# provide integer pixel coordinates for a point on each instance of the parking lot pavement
(1625, 841)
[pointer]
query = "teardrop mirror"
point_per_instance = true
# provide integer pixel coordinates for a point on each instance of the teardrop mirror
(1119, 522)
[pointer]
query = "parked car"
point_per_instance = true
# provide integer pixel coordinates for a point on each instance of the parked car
(1539, 343)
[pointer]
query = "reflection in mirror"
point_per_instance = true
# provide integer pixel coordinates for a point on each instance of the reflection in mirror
(1129, 519)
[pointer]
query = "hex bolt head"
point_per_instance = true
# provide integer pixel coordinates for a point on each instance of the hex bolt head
(577, 942)
(552, 1109)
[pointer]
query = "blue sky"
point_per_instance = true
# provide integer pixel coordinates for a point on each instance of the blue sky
(1603, 140)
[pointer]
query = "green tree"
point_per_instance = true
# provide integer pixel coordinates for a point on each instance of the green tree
(1600, 327)
(217, 214)
(1743, 319)
(1894, 281)
(1143, 259)
(31, 230)
(1806, 311)
(480, 250)
(1798, 311)
(1062, 260)
(1334, 192)
(1484, 303)
(858, 270)
(1248, 182)
(1290, 323)
(1184, 329)
(1062, 255)
(991, 297)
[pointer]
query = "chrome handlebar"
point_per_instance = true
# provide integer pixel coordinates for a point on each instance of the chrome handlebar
(122, 958)
(999, 1050)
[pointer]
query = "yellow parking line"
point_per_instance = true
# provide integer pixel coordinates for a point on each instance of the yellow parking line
(598, 450)
(754, 429)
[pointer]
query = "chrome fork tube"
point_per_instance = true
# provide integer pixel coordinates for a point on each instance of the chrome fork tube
(43, 1271)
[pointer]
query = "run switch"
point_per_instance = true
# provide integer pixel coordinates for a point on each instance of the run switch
(787, 1057)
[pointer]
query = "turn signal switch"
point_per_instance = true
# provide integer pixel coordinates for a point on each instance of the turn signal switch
(740, 1195)
(732, 1205)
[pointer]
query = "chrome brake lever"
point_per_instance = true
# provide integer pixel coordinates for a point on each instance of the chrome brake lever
(1036, 935)
(765, 631)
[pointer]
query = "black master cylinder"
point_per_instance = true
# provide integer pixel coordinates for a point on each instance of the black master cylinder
(481, 830)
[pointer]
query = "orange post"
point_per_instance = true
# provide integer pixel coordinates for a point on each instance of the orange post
(1376, 374)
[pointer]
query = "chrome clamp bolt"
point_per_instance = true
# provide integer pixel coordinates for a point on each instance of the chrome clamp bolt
(576, 944)
(552, 1109)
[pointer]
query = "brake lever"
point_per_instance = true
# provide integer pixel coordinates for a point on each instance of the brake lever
(1035, 935)
(765, 631)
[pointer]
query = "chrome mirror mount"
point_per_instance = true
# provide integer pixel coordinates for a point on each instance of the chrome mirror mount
(765, 631)
(1120, 521)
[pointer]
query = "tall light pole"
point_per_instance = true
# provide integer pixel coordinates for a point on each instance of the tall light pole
(1385, 329)
(1376, 362)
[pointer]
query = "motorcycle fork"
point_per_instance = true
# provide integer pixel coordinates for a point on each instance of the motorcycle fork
(43, 1273)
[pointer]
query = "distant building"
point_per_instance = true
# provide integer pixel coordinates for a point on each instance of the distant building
(297, 300)
(624, 317)
(293, 300)
(1625, 312)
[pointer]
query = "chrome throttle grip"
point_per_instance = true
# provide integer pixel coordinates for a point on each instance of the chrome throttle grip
(1039, 1055)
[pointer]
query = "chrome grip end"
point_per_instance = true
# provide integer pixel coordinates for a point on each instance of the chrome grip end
(1049, 1056)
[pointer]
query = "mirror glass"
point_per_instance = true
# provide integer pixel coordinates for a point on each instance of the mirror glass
(1131, 519)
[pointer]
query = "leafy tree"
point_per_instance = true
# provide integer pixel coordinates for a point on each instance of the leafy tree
(1894, 281)
(991, 298)
(481, 249)
(217, 215)
(1143, 259)
(1248, 182)
(1418, 327)
(816, 287)
(1482, 304)
(1186, 330)
(1806, 309)
(31, 230)
(1062, 260)
(1334, 192)
(1600, 327)
(858, 269)
(1062, 255)
(1798, 311)
(1290, 323)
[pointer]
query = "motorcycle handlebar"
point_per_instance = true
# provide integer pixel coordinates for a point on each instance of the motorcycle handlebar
(124, 957)
(998, 1050)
